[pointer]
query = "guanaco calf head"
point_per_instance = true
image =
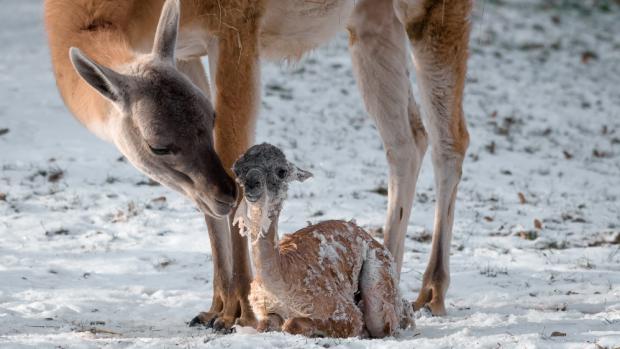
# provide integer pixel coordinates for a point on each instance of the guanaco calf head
(162, 122)
(264, 173)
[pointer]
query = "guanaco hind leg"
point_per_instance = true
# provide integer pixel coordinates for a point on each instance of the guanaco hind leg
(380, 57)
(236, 75)
(439, 32)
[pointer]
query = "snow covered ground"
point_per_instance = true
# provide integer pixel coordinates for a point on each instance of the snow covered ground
(91, 255)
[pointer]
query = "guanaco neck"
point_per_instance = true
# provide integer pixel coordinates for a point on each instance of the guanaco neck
(264, 246)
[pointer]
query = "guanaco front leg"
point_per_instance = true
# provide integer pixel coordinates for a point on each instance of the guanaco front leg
(219, 236)
(236, 93)
(221, 247)
(439, 32)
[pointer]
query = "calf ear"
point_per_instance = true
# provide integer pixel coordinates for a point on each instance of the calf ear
(236, 168)
(301, 175)
(106, 81)
(166, 34)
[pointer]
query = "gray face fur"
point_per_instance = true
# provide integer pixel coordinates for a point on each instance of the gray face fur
(165, 126)
(264, 171)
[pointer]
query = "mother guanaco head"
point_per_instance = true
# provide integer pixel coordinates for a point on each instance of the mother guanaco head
(264, 173)
(162, 122)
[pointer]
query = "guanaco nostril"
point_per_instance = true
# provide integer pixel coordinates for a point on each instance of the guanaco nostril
(252, 184)
(252, 180)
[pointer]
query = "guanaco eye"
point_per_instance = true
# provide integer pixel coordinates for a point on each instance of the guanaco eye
(281, 173)
(160, 151)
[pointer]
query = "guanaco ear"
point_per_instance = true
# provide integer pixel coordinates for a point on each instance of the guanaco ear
(166, 34)
(107, 82)
(301, 175)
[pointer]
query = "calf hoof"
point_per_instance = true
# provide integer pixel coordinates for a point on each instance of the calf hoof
(246, 320)
(273, 322)
(299, 325)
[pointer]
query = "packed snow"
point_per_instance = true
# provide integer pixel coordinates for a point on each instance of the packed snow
(93, 254)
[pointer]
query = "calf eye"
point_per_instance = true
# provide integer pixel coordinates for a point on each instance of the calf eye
(160, 151)
(281, 173)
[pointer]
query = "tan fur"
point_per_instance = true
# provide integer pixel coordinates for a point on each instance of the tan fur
(328, 279)
(238, 33)
(439, 38)
(318, 288)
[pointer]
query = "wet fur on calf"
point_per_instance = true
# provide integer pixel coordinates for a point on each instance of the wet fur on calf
(328, 279)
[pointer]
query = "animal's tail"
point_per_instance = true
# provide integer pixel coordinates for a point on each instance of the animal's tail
(383, 308)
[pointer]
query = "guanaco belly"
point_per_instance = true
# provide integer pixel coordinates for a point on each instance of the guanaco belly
(292, 27)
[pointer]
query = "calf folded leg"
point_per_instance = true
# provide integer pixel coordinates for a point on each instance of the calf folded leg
(381, 302)
(324, 328)
(346, 322)
(273, 322)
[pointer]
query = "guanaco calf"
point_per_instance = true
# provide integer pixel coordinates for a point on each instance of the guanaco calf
(329, 279)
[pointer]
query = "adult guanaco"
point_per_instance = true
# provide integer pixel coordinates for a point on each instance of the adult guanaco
(142, 86)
